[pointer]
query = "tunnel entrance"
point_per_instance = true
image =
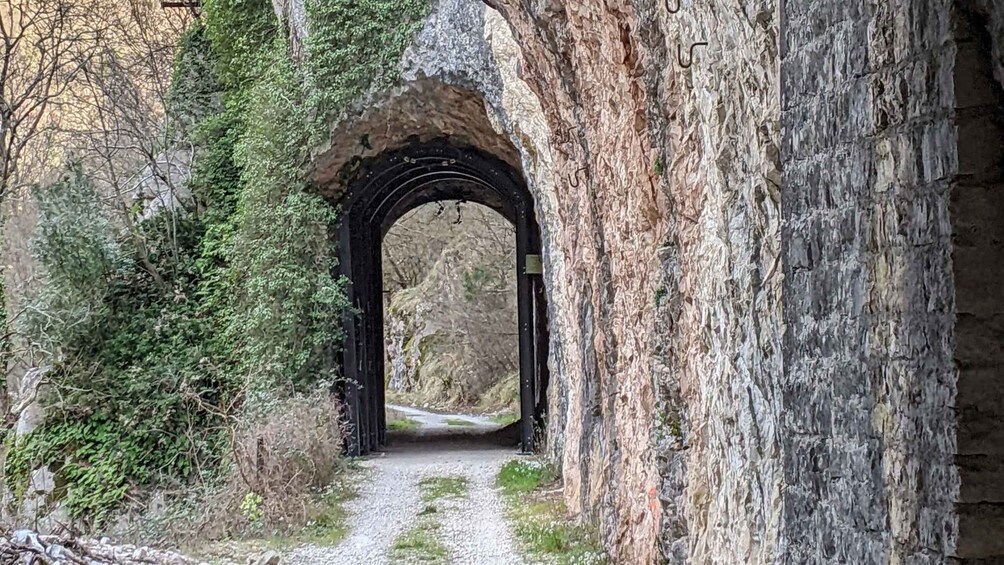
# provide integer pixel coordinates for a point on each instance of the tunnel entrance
(390, 186)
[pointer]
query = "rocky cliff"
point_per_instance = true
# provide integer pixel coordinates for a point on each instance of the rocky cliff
(654, 165)
(749, 366)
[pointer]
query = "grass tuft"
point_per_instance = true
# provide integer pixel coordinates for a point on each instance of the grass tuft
(458, 422)
(402, 425)
(422, 543)
(523, 477)
(540, 519)
(505, 418)
(419, 544)
(436, 488)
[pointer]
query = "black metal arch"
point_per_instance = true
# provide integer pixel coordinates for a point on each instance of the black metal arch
(394, 183)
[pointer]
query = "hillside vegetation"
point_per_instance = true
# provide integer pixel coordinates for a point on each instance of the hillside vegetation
(450, 324)
(178, 339)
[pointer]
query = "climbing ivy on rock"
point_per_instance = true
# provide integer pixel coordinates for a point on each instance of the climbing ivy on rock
(355, 46)
(289, 303)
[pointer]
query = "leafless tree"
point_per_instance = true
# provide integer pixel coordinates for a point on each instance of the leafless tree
(88, 79)
(121, 132)
(45, 45)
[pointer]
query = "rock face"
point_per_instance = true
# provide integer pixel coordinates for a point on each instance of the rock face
(450, 305)
(761, 325)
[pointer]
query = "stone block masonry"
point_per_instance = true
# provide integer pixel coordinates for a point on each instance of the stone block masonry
(977, 211)
(868, 386)
(887, 292)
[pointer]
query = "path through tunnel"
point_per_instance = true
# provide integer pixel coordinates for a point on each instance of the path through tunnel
(390, 186)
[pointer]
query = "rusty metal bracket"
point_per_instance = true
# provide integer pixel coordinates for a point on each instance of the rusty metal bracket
(690, 61)
(569, 133)
(561, 137)
(181, 4)
(575, 177)
(672, 11)
(564, 136)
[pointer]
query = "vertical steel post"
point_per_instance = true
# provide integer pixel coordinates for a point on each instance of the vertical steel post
(524, 301)
(350, 362)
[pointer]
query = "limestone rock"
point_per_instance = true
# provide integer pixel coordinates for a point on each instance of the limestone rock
(25, 546)
(43, 481)
(30, 413)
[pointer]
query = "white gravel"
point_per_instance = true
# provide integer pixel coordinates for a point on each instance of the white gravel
(476, 530)
(473, 528)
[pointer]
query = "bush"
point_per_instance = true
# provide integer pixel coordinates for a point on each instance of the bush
(282, 464)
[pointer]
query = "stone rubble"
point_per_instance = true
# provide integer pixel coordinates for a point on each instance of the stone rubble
(24, 547)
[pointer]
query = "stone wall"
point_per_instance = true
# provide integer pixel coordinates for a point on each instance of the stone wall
(867, 388)
(976, 207)
(876, 189)
(717, 341)
(671, 226)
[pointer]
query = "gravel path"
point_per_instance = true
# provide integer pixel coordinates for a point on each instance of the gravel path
(473, 528)
(432, 422)
(476, 530)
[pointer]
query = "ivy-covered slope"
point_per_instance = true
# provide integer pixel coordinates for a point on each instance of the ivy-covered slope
(210, 314)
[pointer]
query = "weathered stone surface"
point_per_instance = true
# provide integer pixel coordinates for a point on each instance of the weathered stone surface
(867, 393)
(898, 282)
(25, 546)
(773, 274)
(268, 558)
(30, 413)
(43, 481)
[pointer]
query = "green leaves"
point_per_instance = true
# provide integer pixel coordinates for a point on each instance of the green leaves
(285, 302)
(75, 246)
(355, 45)
(237, 31)
(195, 91)
(233, 300)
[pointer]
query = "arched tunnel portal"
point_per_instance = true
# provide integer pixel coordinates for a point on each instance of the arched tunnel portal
(392, 184)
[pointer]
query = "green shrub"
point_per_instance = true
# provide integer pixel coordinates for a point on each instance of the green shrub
(163, 335)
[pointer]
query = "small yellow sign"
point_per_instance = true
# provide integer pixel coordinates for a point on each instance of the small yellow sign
(534, 266)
